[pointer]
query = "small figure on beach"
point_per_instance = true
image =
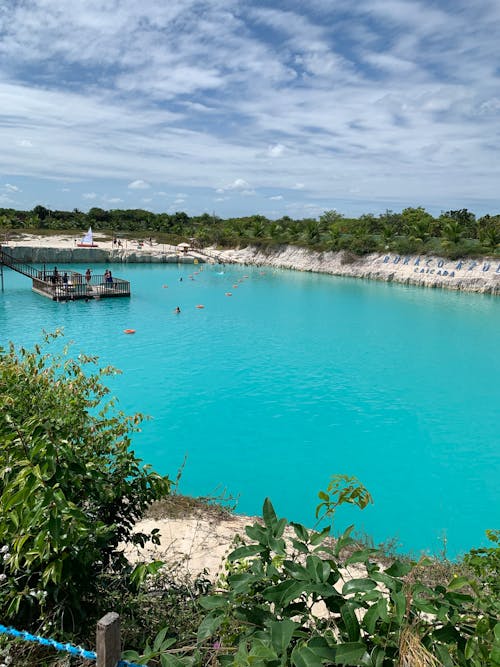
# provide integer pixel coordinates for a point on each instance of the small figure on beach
(108, 278)
(88, 274)
(177, 310)
(65, 278)
(55, 275)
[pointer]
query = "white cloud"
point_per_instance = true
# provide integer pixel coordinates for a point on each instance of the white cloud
(4, 199)
(138, 185)
(239, 185)
(89, 195)
(409, 107)
(276, 198)
(11, 188)
(112, 200)
(276, 151)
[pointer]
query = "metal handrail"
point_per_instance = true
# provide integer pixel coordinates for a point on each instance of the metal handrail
(16, 265)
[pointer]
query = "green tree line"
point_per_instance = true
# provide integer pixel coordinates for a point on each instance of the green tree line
(413, 230)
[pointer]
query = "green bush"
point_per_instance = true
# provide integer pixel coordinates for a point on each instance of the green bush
(70, 487)
(271, 608)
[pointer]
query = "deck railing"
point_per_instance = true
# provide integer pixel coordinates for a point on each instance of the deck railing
(76, 286)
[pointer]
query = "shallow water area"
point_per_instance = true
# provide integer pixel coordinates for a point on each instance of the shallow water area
(296, 377)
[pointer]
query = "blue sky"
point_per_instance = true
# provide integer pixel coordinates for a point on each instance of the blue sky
(240, 107)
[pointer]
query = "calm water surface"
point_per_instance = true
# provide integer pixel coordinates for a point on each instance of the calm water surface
(297, 377)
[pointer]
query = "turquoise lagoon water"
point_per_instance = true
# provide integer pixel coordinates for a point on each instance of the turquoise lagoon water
(296, 377)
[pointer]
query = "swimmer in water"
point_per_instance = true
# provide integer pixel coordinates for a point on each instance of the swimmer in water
(177, 310)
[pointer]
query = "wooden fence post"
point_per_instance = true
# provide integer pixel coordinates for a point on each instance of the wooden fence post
(108, 642)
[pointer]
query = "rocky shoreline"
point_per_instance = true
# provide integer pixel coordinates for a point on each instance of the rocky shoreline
(481, 275)
(470, 275)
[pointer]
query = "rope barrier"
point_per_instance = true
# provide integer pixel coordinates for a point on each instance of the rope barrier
(67, 648)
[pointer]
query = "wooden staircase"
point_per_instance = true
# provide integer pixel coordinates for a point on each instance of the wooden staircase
(21, 267)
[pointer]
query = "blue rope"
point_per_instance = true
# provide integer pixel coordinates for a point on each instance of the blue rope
(67, 648)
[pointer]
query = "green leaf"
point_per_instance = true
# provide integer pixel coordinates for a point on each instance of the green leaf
(301, 532)
(133, 656)
(457, 583)
(300, 547)
(303, 656)
(444, 656)
(281, 634)
(241, 583)
(269, 515)
(470, 648)
(213, 602)
(400, 605)
(159, 639)
(382, 609)
(391, 583)
(284, 592)
(358, 586)
(280, 527)
(399, 569)
(277, 545)
(370, 618)
(257, 533)
(318, 538)
(495, 656)
(351, 621)
(261, 649)
(378, 656)
(169, 660)
(244, 552)
(323, 570)
(351, 653)
(360, 556)
(209, 625)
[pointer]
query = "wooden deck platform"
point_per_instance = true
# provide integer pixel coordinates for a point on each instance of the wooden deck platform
(77, 287)
(67, 285)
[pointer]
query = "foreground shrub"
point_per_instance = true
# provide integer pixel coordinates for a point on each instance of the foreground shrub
(302, 601)
(70, 487)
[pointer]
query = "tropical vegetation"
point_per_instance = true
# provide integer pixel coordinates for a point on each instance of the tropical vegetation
(413, 230)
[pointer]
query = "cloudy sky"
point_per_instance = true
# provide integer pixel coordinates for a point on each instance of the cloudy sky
(242, 106)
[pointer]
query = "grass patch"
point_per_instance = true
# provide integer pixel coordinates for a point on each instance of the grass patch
(178, 506)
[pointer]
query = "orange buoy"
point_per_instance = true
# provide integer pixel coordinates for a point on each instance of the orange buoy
(229, 294)
(129, 331)
(200, 305)
(235, 285)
